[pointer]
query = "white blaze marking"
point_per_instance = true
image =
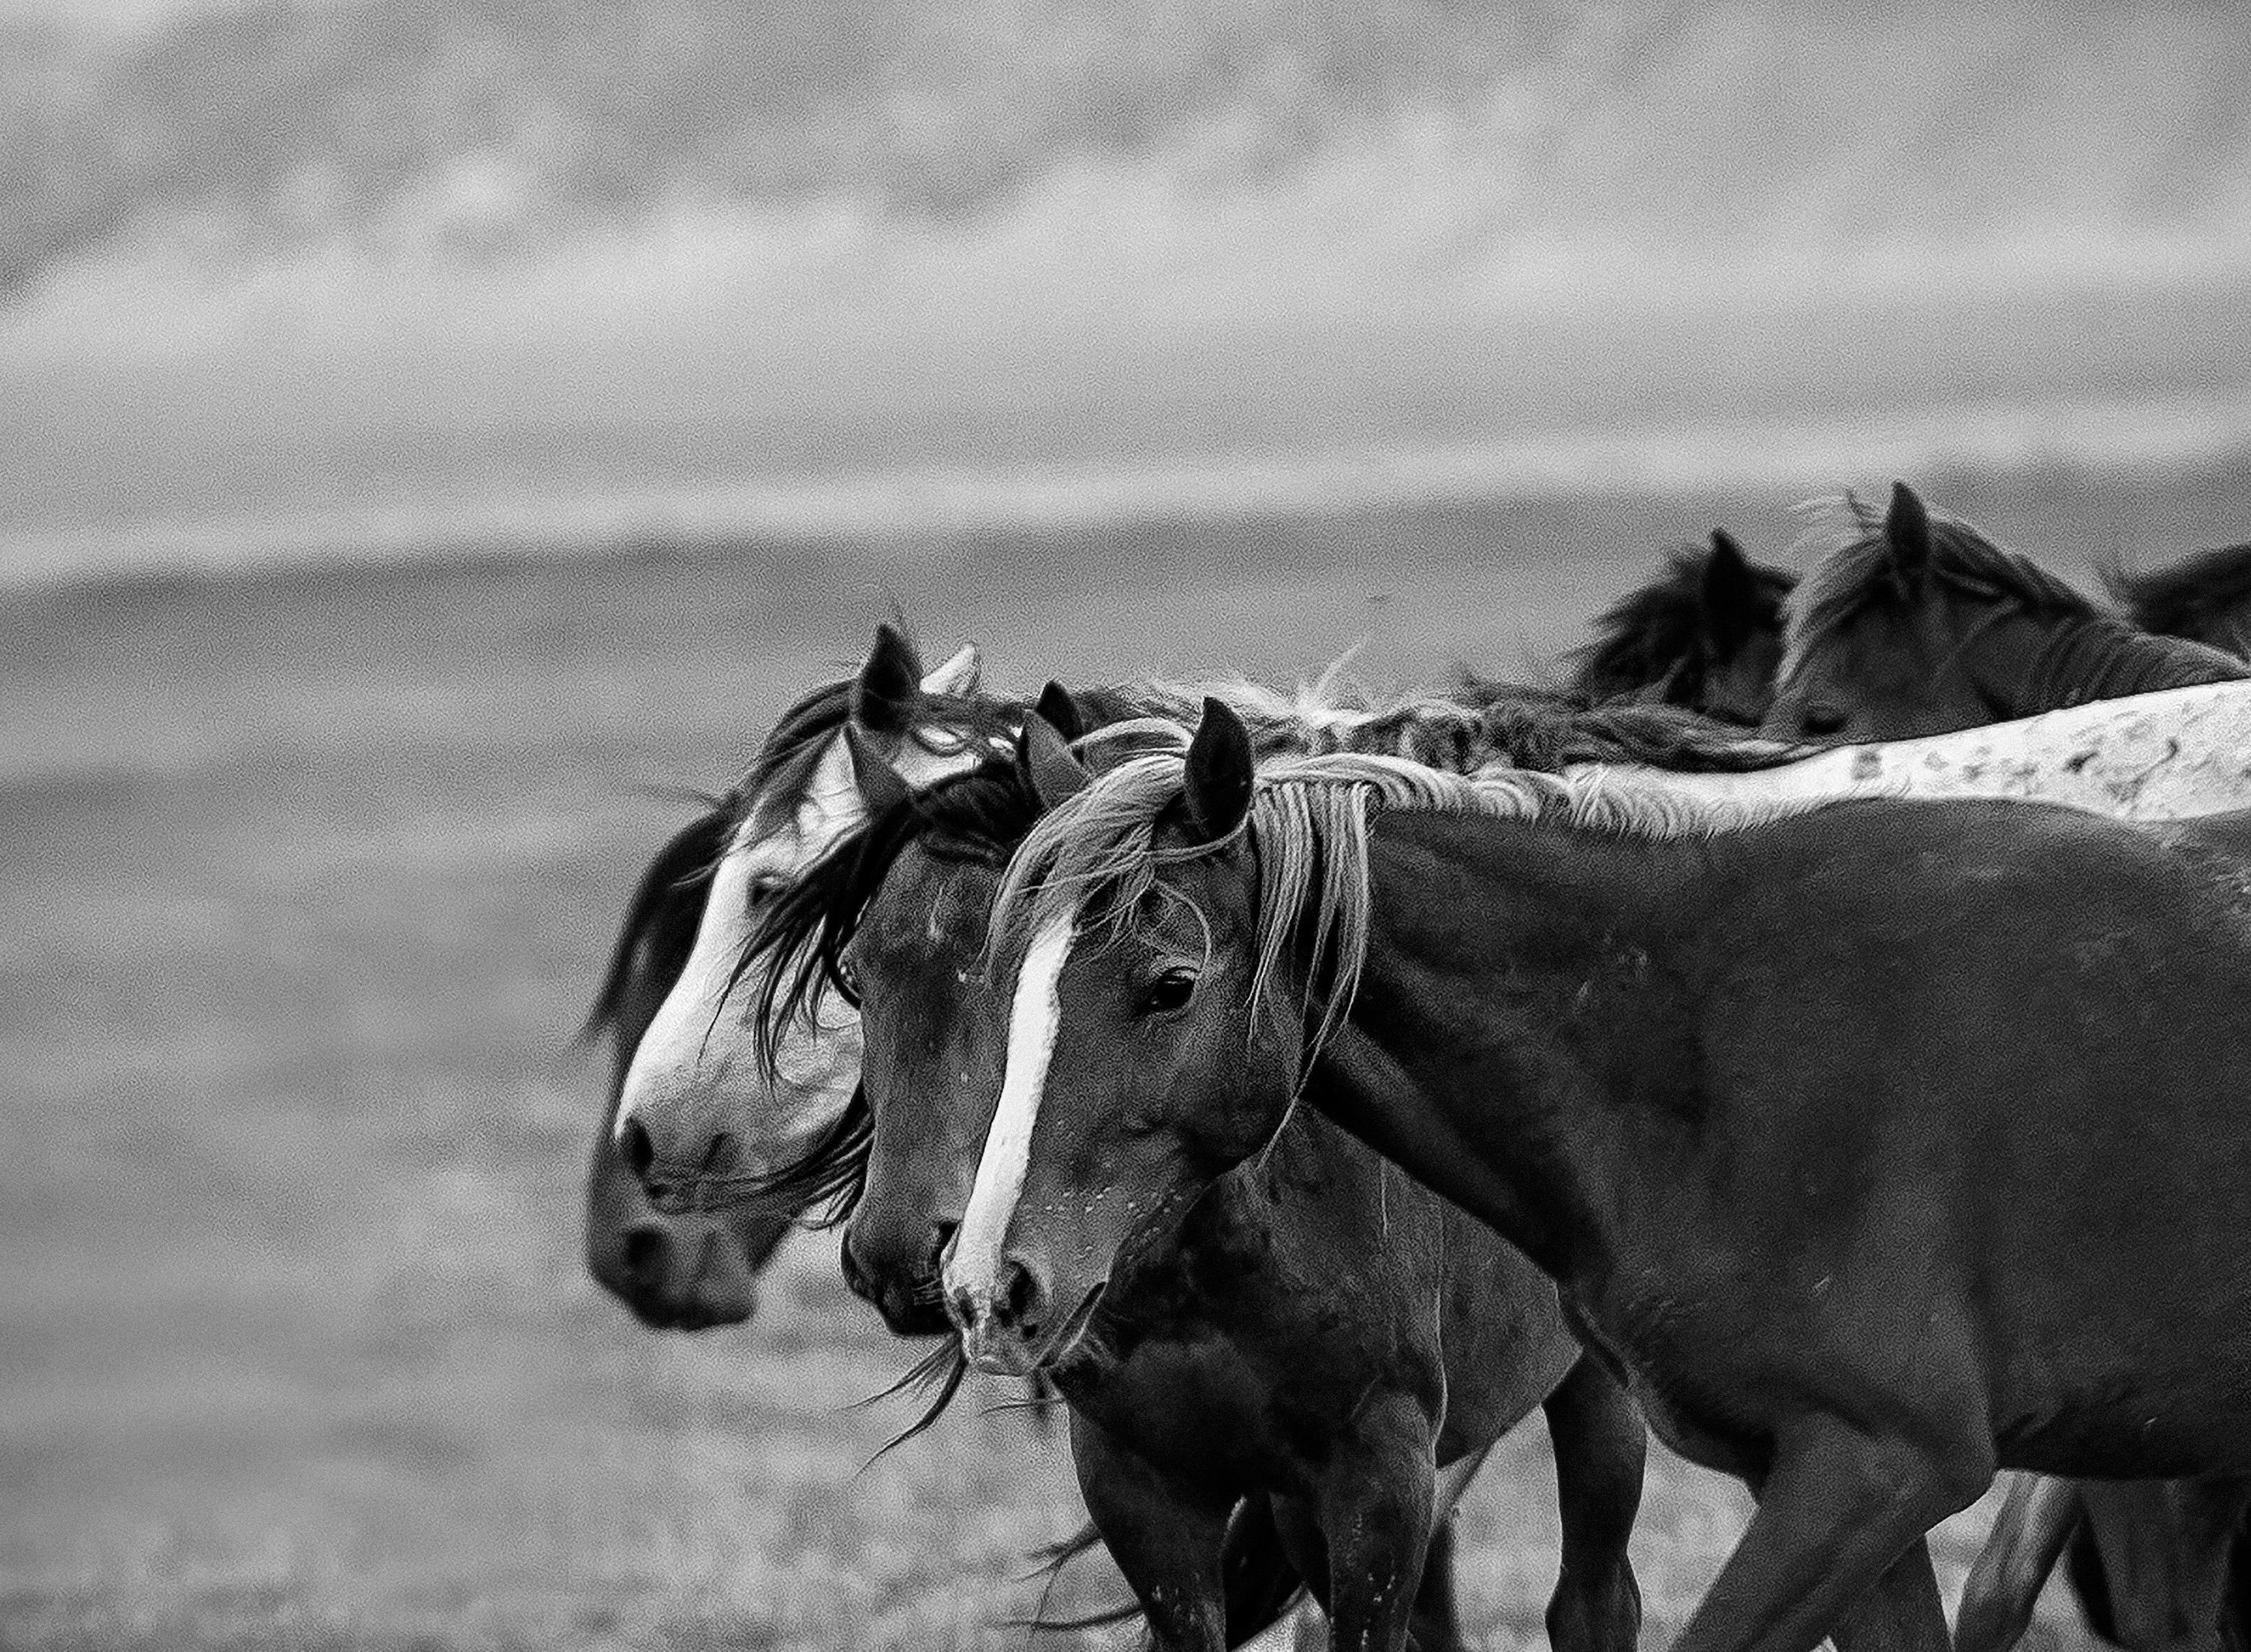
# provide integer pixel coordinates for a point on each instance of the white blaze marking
(692, 1074)
(1034, 1020)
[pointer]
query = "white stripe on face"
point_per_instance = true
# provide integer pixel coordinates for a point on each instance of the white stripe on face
(692, 1071)
(974, 1264)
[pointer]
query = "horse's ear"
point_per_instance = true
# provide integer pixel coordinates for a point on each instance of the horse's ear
(1061, 711)
(888, 687)
(1044, 759)
(1220, 777)
(882, 787)
(959, 675)
(1907, 540)
(1727, 594)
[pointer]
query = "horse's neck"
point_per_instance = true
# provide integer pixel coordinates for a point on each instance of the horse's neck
(1509, 990)
(2084, 659)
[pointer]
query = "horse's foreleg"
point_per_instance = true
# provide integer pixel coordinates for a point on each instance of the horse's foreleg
(1837, 1547)
(1255, 1571)
(2036, 1521)
(1375, 1508)
(1600, 1443)
(1165, 1539)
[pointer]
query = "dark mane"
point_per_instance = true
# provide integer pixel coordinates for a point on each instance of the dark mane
(804, 929)
(2199, 597)
(1551, 729)
(665, 908)
(1853, 573)
(1644, 636)
(786, 758)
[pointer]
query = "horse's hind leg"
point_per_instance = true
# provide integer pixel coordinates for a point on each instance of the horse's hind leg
(1600, 1443)
(2036, 1520)
(1836, 1545)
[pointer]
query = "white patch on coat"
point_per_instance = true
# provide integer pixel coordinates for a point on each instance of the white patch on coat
(2172, 756)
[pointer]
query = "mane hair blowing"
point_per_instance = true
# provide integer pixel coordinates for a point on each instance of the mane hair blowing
(1309, 826)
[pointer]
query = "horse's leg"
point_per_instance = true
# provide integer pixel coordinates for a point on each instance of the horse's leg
(2037, 1519)
(1436, 1621)
(1841, 1516)
(1164, 1538)
(2164, 1549)
(1902, 1613)
(1255, 1571)
(1375, 1504)
(1600, 1443)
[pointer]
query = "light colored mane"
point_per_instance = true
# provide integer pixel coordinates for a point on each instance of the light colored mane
(1310, 819)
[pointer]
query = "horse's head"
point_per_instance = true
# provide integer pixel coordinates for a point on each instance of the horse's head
(685, 1265)
(1738, 648)
(934, 1052)
(1143, 1060)
(703, 1105)
(1705, 635)
(909, 940)
(1911, 627)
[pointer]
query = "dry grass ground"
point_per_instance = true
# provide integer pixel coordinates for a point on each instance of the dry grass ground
(303, 885)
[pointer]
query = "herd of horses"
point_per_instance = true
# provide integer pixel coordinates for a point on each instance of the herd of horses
(1812, 1032)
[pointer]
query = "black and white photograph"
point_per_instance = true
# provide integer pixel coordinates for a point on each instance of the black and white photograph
(1055, 825)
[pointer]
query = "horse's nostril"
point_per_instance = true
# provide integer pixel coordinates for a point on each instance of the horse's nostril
(1017, 1302)
(648, 1252)
(640, 1152)
(941, 1236)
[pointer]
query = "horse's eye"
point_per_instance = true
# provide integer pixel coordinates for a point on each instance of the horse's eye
(766, 887)
(1169, 991)
(847, 981)
(1821, 718)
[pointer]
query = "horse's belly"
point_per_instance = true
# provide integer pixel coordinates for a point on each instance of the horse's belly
(2164, 1422)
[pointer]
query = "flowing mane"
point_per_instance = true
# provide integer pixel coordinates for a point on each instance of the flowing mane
(667, 905)
(987, 812)
(1640, 639)
(1099, 853)
(2199, 596)
(1843, 538)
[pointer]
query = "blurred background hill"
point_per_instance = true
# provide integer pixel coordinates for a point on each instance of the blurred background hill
(348, 274)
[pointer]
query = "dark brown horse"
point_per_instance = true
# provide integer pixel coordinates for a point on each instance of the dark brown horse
(1881, 1143)
(1705, 635)
(1912, 624)
(1317, 1337)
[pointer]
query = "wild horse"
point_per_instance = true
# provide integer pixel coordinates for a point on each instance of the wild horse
(1861, 1136)
(705, 1121)
(1706, 634)
(1322, 1332)
(1916, 624)
(680, 1256)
